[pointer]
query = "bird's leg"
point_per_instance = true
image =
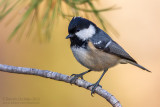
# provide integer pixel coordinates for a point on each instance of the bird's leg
(76, 76)
(97, 83)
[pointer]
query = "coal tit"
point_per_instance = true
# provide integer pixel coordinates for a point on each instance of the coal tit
(95, 49)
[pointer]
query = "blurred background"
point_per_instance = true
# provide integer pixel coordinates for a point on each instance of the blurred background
(138, 25)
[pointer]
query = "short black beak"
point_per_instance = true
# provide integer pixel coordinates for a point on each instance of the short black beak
(69, 36)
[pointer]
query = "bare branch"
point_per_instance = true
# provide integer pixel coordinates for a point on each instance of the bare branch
(60, 77)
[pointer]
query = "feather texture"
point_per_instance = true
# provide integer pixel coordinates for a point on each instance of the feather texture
(104, 43)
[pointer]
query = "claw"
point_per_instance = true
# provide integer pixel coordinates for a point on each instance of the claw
(76, 76)
(81, 77)
(73, 74)
(94, 87)
(100, 86)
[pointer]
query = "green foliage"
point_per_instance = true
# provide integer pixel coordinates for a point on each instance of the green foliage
(39, 15)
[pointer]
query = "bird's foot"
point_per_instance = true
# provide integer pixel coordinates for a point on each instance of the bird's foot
(94, 87)
(76, 76)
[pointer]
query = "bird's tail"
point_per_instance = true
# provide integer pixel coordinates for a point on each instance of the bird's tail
(136, 64)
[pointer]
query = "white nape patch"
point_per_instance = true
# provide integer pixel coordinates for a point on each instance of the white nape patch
(86, 33)
(99, 42)
(76, 17)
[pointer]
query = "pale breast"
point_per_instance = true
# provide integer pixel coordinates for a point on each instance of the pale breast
(94, 59)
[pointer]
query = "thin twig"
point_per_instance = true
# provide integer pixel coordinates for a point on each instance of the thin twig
(61, 77)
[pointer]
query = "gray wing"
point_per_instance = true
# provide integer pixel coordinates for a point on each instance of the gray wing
(116, 49)
(106, 44)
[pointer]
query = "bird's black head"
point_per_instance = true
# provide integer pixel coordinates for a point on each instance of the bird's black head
(81, 28)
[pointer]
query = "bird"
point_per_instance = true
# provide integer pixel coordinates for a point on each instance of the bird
(95, 49)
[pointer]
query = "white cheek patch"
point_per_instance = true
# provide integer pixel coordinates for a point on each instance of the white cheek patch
(86, 33)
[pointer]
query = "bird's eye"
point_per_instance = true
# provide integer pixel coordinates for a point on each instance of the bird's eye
(77, 30)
